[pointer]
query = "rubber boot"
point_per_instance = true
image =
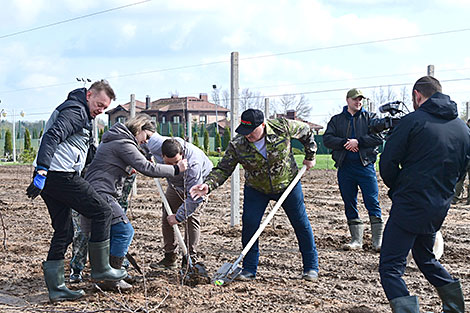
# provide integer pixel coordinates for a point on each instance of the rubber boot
(407, 304)
(452, 298)
(55, 281)
(377, 229)
(99, 261)
(115, 262)
(356, 228)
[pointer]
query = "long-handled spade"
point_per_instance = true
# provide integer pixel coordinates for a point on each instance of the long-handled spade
(228, 272)
(194, 273)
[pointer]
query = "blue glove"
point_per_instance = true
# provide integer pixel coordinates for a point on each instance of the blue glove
(35, 188)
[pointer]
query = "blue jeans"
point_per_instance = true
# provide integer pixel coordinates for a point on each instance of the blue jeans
(352, 174)
(396, 244)
(120, 239)
(254, 205)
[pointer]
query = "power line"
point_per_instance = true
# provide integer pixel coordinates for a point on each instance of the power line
(321, 91)
(358, 43)
(247, 58)
(72, 19)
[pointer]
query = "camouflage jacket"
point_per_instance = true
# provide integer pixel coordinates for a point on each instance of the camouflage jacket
(271, 175)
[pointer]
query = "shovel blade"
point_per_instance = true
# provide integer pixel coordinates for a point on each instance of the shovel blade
(225, 274)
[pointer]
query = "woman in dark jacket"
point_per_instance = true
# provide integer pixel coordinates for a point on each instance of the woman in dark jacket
(117, 155)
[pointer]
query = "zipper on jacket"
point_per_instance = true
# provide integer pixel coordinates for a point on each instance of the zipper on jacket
(360, 156)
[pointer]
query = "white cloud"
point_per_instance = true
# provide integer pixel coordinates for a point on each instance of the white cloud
(28, 10)
(185, 31)
(128, 30)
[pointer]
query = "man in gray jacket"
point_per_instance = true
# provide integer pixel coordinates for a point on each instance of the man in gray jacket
(60, 159)
(169, 151)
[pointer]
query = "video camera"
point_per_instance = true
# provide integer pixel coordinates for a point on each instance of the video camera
(378, 125)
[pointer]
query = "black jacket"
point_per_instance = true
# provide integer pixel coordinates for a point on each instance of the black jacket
(67, 135)
(339, 131)
(424, 157)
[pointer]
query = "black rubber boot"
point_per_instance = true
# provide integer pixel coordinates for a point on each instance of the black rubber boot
(99, 261)
(407, 304)
(55, 281)
(452, 298)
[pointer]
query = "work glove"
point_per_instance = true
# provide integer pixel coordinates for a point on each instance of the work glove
(36, 186)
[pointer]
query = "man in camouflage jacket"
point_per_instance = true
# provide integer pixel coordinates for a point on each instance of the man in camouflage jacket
(264, 150)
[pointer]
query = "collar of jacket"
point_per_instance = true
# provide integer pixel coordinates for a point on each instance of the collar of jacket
(270, 134)
(346, 112)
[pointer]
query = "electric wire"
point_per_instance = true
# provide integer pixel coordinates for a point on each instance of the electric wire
(250, 58)
(71, 19)
(321, 91)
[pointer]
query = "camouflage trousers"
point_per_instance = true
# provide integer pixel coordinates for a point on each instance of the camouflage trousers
(79, 244)
(80, 239)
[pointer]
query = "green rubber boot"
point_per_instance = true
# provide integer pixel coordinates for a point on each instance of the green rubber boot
(55, 281)
(452, 298)
(356, 228)
(99, 261)
(377, 229)
(407, 304)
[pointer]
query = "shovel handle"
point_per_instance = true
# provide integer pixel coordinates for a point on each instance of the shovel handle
(271, 215)
(169, 212)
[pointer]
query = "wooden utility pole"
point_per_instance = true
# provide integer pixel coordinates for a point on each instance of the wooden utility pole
(431, 70)
(235, 181)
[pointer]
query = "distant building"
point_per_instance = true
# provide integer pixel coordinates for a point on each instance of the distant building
(291, 115)
(173, 110)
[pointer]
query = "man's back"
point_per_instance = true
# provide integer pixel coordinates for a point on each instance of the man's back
(422, 160)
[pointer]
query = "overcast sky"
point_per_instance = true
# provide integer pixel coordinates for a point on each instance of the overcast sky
(312, 47)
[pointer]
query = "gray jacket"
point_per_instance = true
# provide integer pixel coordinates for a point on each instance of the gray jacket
(199, 166)
(117, 154)
(66, 138)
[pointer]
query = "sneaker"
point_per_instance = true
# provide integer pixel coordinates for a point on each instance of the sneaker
(245, 276)
(310, 275)
(168, 262)
(75, 277)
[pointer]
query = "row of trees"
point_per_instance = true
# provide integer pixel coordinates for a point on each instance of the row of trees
(28, 154)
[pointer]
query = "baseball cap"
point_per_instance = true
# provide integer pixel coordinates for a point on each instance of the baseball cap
(354, 93)
(250, 119)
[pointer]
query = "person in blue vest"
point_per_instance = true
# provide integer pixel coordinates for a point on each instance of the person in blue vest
(423, 159)
(355, 150)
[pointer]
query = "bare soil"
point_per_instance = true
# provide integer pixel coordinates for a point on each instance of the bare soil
(348, 282)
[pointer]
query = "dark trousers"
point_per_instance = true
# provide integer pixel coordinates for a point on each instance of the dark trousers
(351, 175)
(254, 205)
(64, 192)
(396, 245)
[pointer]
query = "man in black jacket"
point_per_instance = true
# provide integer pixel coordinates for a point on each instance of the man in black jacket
(424, 157)
(61, 157)
(355, 151)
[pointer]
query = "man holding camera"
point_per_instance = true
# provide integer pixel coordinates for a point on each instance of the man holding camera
(424, 157)
(355, 151)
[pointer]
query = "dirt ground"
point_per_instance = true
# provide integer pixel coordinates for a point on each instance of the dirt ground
(349, 281)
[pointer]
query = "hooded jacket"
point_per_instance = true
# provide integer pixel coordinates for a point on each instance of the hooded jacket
(339, 131)
(67, 134)
(117, 154)
(423, 158)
